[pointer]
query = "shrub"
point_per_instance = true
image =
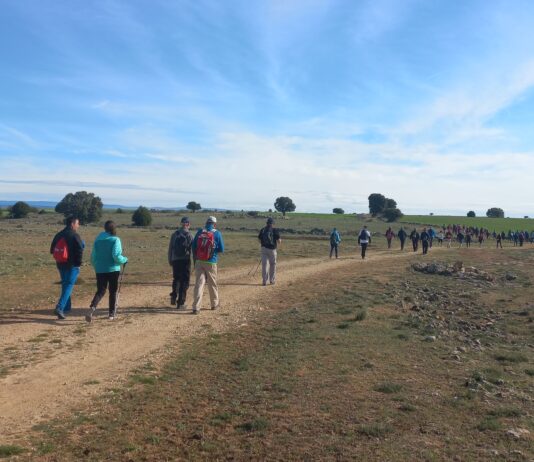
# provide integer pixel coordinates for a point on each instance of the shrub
(392, 215)
(253, 213)
(495, 212)
(471, 214)
(86, 206)
(42, 212)
(142, 217)
(19, 210)
(338, 211)
(119, 210)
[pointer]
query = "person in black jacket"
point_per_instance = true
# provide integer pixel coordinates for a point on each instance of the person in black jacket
(179, 257)
(269, 238)
(67, 249)
(414, 236)
(402, 237)
(425, 240)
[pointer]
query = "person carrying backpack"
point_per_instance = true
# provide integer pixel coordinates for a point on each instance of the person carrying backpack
(425, 240)
(364, 239)
(67, 250)
(107, 259)
(402, 237)
(269, 238)
(179, 257)
(335, 239)
(414, 236)
(207, 244)
(389, 237)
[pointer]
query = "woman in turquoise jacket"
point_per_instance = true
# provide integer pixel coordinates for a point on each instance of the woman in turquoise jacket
(107, 259)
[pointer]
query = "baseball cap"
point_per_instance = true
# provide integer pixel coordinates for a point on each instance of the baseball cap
(184, 220)
(211, 220)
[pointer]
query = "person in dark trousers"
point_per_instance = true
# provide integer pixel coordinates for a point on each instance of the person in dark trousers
(414, 236)
(67, 250)
(389, 237)
(179, 257)
(107, 259)
(402, 237)
(269, 238)
(335, 239)
(364, 239)
(499, 240)
(468, 239)
(425, 240)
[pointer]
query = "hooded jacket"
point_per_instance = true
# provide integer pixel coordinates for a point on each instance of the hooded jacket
(106, 256)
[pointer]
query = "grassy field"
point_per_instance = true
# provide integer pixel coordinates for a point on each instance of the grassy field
(395, 365)
(493, 224)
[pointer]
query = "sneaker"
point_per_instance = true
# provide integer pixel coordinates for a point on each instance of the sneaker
(181, 307)
(195, 311)
(111, 318)
(59, 313)
(173, 299)
(264, 283)
(272, 283)
(216, 307)
(112, 315)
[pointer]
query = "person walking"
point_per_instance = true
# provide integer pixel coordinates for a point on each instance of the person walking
(335, 239)
(67, 250)
(389, 237)
(402, 237)
(468, 239)
(460, 238)
(425, 240)
(448, 238)
(269, 238)
(499, 240)
(440, 237)
(414, 236)
(179, 257)
(107, 258)
(207, 244)
(364, 239)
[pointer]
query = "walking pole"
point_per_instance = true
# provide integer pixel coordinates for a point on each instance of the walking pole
(119, 289)
(255, 270)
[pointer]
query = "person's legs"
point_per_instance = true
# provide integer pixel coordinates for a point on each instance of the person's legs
(331, 249)
(185, 276)
(364, 248)
(389, 243)
(68, 279)
(101, 285)
(264, 261)
(200, 281)
(402, 244)
(336, 250)
(213, 289)
(175, 280)
(113, 279)
(272, 265)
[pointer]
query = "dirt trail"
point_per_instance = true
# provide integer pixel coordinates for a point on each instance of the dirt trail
(60, 365)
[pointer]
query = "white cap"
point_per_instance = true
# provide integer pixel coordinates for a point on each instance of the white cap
(211, 220)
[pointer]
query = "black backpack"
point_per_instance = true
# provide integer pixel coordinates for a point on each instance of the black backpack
(363, 235)
(267, 238)
(182, 245)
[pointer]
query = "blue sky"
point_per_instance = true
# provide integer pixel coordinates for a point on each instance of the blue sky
(235, 103)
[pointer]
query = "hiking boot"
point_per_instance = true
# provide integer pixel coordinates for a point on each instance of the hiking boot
(216, 307)
(173, 299)
(112, 315)
(272, 283)
(59, 313)
(195, 311)
(181, 307)
(264, 283)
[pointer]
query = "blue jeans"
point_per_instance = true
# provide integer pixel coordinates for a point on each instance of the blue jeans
(68, 279)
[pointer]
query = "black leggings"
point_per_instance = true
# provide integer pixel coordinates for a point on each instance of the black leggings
(102, 281)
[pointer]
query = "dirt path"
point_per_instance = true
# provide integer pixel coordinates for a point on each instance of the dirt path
(51, 366)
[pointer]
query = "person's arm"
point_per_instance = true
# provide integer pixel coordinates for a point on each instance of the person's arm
(116, 253)
(77, 250)
(220, 243)
(278, 238)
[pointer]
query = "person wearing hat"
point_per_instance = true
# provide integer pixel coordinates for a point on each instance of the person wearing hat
(269, 238)
(179, 257)
(207, 244)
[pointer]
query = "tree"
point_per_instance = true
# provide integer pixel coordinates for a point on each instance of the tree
(85, 206)
(284, 204)
(390, 204)
(19, 210)
(495, 212)
(119, 210)
(193, 206)
(338, 211)
(471, 214)
(392, 214)
(142, 216)
(377, 204)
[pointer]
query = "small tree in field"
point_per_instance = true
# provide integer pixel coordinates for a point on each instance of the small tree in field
(495, 212)
(86, 206)
(377, 203)
(142, 217)
(471, 214)
(284, 204)
(392, 214)
(193, 206)
(338, 211)
(19, 210)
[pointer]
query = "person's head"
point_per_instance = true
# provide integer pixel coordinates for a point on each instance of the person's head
(184, 222)
(211, 222)
(72, 223)
(270, 221)
(335, 229)
(110, 227)
(364, 226)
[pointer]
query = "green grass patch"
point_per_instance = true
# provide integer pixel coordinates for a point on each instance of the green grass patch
(375, 430)
(255, 425)
(10, 450)
(490, 424)
(510, 357)
(388, 387)
(506, 412)
(144, 379)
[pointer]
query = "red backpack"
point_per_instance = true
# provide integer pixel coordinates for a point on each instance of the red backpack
(205, 245)
(61, 251)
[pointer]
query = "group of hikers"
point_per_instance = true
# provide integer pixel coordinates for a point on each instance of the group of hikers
(106, 258)
(204, 248)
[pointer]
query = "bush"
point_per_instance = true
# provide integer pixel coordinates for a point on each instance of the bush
(119, 210)
(42, 212)
(392, 215)
(83, 205)
(253, 213)
(495, 212)
(338, 211)
(19, 210)
(193, 206)
(471, 214)
(142, 217)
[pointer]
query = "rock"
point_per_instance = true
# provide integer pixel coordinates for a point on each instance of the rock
(518, 433)
(510, 276)
(430, 338)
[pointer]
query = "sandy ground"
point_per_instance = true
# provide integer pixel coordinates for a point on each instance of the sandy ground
(62, 364)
